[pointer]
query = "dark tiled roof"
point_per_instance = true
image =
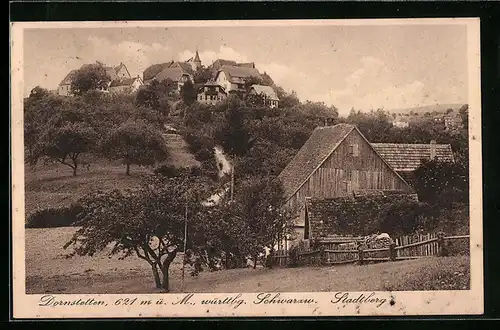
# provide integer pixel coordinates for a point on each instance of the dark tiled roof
(240, 72)
(407, 157)
(174, 73)
(154, 69)
(111, 73)
(68, 78)
(122, 82)
(322, 142)
(268, 91)
(186, 67)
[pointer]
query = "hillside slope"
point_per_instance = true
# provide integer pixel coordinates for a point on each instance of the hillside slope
(53, 185)
(428, 108)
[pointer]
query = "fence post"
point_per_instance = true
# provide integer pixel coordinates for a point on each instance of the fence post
(442, 248)
(360, 254)
(392, 251)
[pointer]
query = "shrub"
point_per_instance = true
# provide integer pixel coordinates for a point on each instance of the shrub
(171, 171)
(54, 217)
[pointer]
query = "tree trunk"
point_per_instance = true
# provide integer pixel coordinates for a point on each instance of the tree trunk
(164, 269)
(75, 166)
(165, 278)
(128, 169)
(255, 261)
(157, 276)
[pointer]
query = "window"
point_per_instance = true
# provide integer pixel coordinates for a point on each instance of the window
(354, 150)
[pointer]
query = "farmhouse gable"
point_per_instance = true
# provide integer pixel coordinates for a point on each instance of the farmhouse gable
(337, 161)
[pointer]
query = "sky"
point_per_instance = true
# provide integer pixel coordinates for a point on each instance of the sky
(365, 67)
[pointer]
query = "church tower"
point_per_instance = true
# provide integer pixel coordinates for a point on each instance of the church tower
(197, 61)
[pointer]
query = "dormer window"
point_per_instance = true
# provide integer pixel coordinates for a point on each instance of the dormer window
(354, 150)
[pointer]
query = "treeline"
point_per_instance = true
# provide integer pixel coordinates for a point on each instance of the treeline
(64, 129)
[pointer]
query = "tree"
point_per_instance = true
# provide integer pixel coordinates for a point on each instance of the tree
(263, 208)
(443, 183)
(89, 77)
(252, 80)
(232, 134)
(156, 95)
(464, 115)
(202, 75)
(38, 93)
(135, 142)
(448, 111)
(287, 100)
(66, 143)
(149, 221)
(188, 93)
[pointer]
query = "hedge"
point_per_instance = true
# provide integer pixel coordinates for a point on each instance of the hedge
(54, 217)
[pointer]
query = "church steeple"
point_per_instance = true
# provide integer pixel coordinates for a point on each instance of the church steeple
(197, 57)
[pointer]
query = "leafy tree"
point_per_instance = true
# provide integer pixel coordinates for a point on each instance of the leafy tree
(320, 111)
(38, 93)
(263, 209)
(287, 100)
(156, 96)
(232, 134)
(135, 142)
(448, 111)
(202, 75)
(443, 183)
(149, 221)
(66, 143)
(254, 100)
(188, 93)
(464, 115)
(252, 81)
(89, 77)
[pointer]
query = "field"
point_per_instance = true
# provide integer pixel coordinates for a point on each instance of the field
(49, 271)
(53, 185)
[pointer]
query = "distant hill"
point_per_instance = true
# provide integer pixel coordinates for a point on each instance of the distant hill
(428, 108)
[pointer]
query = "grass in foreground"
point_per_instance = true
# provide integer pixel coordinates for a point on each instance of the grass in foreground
(48, 271)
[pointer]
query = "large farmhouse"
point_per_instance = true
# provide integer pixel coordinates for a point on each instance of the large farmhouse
(405, 158)
(178, 72)
(336, 161)
(116, 74)
(233, 78)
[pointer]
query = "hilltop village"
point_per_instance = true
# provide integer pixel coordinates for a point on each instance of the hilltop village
(212, 84)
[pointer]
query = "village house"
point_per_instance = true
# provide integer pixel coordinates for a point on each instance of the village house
(453, 122)
(405, 158)
(219, 63)
(233, 78)
(336, 161)
(178, 72)
(119, 72)
(126, 85)
(211, 93)
(268, 94)
(400, 123)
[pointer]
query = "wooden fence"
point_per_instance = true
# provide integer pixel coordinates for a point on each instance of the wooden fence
(349, 250)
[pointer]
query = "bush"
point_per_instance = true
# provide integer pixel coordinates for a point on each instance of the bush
(171, 171)
(203, 154)
(54, 217)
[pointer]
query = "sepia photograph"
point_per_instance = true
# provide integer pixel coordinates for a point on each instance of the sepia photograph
(220, 163)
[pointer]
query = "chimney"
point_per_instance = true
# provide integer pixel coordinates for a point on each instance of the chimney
(433, 149)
